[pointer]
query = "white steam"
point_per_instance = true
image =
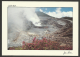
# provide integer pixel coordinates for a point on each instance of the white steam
(16, 15)
(31, 16)
(19, 19)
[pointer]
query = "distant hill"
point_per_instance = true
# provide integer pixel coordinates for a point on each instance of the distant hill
(42, 14)
(52, 22)
(69, 18)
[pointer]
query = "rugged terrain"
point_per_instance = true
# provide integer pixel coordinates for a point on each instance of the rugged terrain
(55, 29)
(64, 29)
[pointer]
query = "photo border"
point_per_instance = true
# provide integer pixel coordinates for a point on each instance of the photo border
(5, 4)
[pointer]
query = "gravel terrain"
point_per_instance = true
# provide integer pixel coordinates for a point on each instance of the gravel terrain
(52, 28)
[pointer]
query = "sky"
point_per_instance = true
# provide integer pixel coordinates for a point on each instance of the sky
(57, 12)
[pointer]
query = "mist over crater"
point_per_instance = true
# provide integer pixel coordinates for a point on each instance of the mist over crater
(25, 23)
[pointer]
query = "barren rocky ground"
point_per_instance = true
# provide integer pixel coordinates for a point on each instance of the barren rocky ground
(55, 29)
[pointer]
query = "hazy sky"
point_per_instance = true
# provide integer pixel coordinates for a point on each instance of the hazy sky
(57, 11)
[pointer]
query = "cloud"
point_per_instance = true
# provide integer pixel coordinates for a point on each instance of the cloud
(41, 10)
(58, 14)
(58, 10)
(46, 9)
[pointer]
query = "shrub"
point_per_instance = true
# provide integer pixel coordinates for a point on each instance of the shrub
(43, 44)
